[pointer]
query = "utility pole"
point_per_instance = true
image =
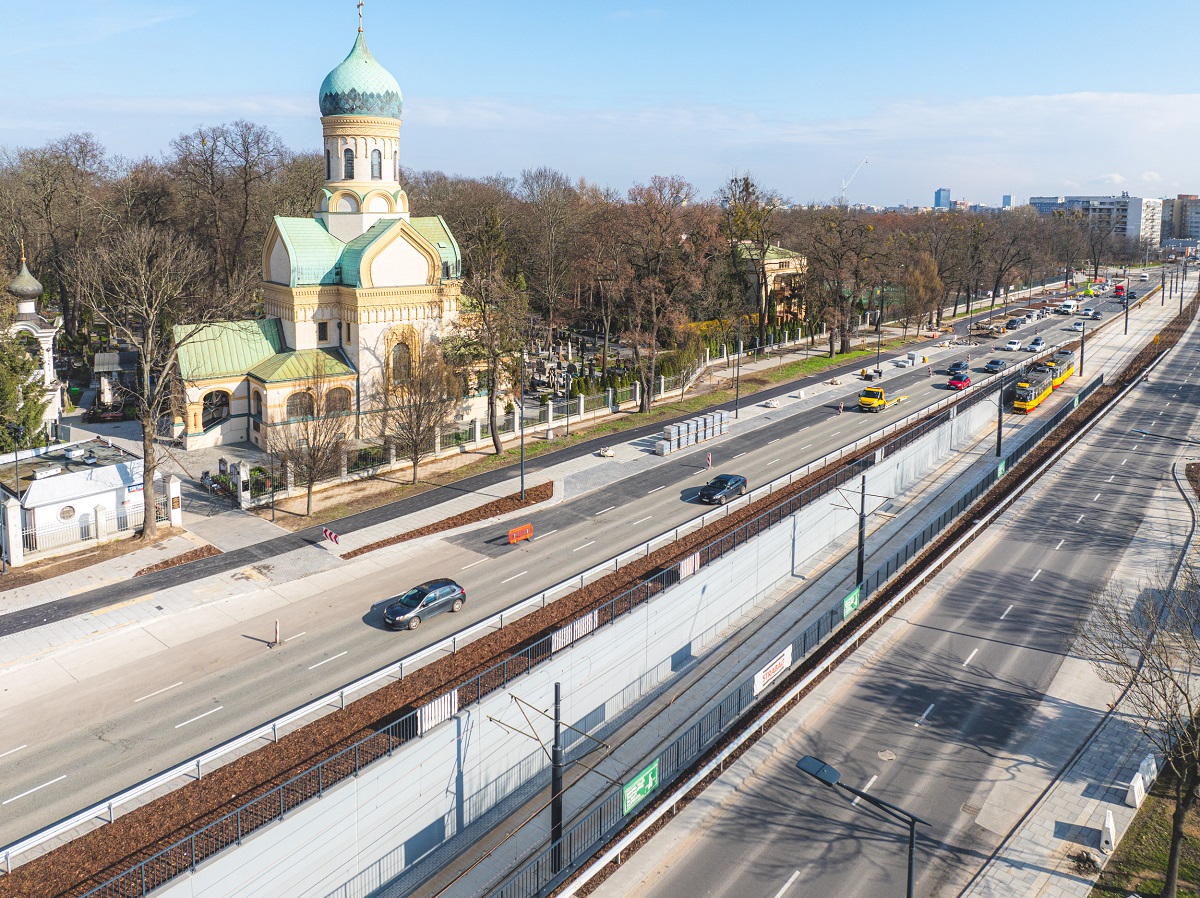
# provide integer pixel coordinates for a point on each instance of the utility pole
(862, 532)
(556, 785)
(1083, 342)
(521, 399)
(1000, 415)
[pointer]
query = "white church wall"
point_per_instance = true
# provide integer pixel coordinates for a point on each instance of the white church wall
(280, 266)
(400, 265)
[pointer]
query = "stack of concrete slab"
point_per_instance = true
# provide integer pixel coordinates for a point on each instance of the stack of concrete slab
(691, 432)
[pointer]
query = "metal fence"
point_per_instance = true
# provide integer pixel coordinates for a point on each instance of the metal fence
(84, 529)
(365, 457)
(552, 863)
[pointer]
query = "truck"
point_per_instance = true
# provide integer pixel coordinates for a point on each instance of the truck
(873, 399)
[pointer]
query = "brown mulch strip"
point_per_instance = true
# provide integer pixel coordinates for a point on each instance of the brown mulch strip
(191, 555)
(533, 495)
(1193, 475)
(95, 857)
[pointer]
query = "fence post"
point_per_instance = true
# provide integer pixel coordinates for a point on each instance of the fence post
(608, 392)
(477, 428)
(662, 386)
(580, 409)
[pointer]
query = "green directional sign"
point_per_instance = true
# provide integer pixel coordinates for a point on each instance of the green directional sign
(1001, 468)
(636, 790)
(851, 602)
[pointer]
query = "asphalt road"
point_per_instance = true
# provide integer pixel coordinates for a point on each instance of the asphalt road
(949, 698)
(94, 723)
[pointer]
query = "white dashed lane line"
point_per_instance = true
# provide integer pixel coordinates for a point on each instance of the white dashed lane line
(548, 532)
(584, 546)
(1006, 610)
(1059, 546)
(739, 455)
(514, 577)
(657, 488)
(473, 563)
(297, 636)
(1035, 575)
(326, 661)
(35, 789)
(152, 694)
(12, 751)
(1079, 519)
(642, 520)
(920, 720)
(213, 711)
(603, 510)
(1097, 499)
(969, 657)
(866, 788)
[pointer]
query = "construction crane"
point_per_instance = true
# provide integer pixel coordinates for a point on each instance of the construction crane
(846, 182)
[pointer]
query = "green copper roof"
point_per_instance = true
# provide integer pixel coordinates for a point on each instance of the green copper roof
(313, 251)
(25, 285)
(434, 229)
(353, 253)
(227, 348)
(360, 86)
(302, 364)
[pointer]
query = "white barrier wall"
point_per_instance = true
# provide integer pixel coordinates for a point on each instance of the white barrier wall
(367, 830)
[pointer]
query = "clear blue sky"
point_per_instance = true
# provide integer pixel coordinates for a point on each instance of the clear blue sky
(1022, 97)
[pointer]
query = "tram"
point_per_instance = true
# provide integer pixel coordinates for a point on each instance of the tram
(1033, 389)
(1062, 366)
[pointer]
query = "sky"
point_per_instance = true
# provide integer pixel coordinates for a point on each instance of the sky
(1026, 97)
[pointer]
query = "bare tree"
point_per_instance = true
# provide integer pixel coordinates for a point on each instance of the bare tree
(317, 420)
(922, 289)
(552, 222)
(1147, 646)
(148, 287)
(417, 403)
(749, 227)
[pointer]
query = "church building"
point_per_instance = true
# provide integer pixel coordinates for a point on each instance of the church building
(350, 293)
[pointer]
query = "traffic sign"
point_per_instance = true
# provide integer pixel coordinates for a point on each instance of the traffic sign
(331, 536)
(637, 789)
(851, 602)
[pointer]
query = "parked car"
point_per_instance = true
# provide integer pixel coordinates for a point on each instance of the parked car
(722, 488)
(960, 381)
(1077, 326)
(1037, 344)
(958, 368)
(423, 602)
(1012, 345)
(995, 365)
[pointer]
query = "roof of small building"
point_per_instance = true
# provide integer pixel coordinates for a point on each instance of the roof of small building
(315, 254)
(434, 229)
(351, 273)
(302, 364)
(68, 470)
(229, 348)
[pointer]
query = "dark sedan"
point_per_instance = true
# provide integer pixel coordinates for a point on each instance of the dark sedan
(958, 368)
(995, 365)
(423, 602)
(722, 488)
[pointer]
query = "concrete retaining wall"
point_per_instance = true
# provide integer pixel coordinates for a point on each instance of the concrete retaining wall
(365, 832)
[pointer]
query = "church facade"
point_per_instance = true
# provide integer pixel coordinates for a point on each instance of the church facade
(350, 294)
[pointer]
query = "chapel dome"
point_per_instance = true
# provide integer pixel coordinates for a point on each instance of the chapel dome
(25, 286)
(361, 86)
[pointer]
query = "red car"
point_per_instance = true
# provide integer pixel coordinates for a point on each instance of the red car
(960, 381)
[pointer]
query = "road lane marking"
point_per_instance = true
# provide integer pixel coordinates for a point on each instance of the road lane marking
(969, 657)
(1006, 610)
(1097, 497)
(206, 713)
(1124, 460)
(739, 455)
(152, 694)
(13, 751)
(866, 788)
(1110, 479)
(473, 563)
(35, 788)
(787, 885)
(1035, 575)
(657, 488)
(1059, 546)
(603, 510)
(547, 533)
(327, 660)
(776, 440)
(1160, 414)
(1079, 519)
(772, 461)
(1166, 405)
(641, 520)
(921, 719)
(297, 636)
(513, 577)
(835, 433)
(802, 448)
(584, 546)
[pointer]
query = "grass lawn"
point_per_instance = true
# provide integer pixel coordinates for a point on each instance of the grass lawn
(1141, 857)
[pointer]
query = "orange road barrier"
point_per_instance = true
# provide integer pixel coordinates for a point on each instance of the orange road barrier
(525, 531)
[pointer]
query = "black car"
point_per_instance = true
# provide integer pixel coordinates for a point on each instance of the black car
(995, 365)
(959, 368)
(423, 602)
(1133, 294)
(722, 488)
(1014, 323)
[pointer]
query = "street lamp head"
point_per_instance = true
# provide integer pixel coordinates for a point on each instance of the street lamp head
(818, 769)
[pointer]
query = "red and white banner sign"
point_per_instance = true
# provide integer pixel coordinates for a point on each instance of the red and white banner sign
(330, 535)
(774, 668)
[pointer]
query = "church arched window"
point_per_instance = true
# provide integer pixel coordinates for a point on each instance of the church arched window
(328, 166)
(401, 362)
(300, 405)
(396, 166)
(348, 164)
(376, 165)
(337, 401)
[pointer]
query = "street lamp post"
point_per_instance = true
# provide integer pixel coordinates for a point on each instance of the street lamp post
(1083, 341)
(521, 406)
(737, 374)
(818, 769)
(568, 426)
(879, 325)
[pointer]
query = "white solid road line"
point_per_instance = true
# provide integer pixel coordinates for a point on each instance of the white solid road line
(603, 510)
(1059, 546)
(584, 546)
(473, 563)
(657, 488)
(297, 636)
(921, 719)
(327, 660)
(866, 788)
(206, 713)
(514, 577)
(642, 520)
(1035, 575)
(1006, 610)
(152, 694)
(35, 788)
(548, 532)
(787, 885)
(969, 657)
(12, 751)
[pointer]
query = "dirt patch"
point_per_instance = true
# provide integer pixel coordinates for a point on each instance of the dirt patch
(540, 493)
(194, 555)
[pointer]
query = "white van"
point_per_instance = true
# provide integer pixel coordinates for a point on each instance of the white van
(1143, 276)
(1068, 307)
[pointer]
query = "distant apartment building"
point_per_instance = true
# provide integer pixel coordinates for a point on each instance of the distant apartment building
(1137, 217)
(1181, 218)
(1006, 201)
(941, 198)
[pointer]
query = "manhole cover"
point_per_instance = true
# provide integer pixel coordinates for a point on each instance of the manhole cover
(887, 755)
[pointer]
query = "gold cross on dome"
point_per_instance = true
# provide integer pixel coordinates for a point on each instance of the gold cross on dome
(360, 6)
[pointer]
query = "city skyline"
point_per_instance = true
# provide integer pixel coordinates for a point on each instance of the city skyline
(502, 90)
